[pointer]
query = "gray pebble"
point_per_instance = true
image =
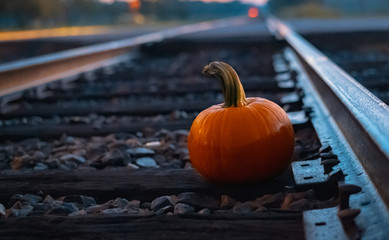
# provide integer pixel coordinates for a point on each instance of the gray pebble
(161, 202)
(132, 166)
(198, 201)
(81, 212)
(114, 211)
(2, 210)
(141, 152)
(114, 157)
(120, 202)
(242, 208)
(73, 158)
(204, 211)
(146, 162)
(80, 201)
(41, 166)
(29, 198)
(164, 210)
(182, 208)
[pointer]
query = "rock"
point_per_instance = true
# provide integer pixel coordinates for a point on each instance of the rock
(133, 203)
(40, 166)
(81, 212)
(73, 158)
(48, 199)
(181, 136)
(204, 211)
(182, 208)
(198, 201)
(174, 163)
(114, 211)
(95, 150)
(20, 209)
(146, 205)
(227, 202)
(41, 207)
(243, 208)
(153, 145)
(188, 165)
(132, 166)
(17, 163)
(159, 159)
(161, 202)
(80, 201)
(133, 143)
(164, 210)
(61, 208)
(146, 162)
(96, 208)
(53, 162)
(120, 202)
(114, 157)
(141, 152)
(302, 204)
(28, 198)
(268, 201)
(292, 197)
(2, 210)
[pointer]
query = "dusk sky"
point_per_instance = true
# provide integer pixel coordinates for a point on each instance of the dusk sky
(255, 2)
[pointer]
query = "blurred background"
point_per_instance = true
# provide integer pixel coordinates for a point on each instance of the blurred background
(37, 14)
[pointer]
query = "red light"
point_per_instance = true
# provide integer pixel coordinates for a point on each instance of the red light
(253, 12)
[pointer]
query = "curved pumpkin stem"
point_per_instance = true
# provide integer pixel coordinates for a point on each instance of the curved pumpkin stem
(234, 95)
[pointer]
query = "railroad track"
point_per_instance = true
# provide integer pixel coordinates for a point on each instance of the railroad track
(99, 150)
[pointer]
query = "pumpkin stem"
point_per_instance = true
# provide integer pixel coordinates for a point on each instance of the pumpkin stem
(234, 95)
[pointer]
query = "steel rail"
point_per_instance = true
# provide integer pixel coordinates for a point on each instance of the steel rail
(354, 120)
(27, 73)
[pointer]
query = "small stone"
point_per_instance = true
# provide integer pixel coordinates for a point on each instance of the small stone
(174, 163)
(80, 201)
(292, 197)
(164, 210)
(2, 210)
(95, 150)
(41, 207)
(17, 163)
(114, 211)
(153, 145)
(133, 203)
(48, 199)
(146, 162)
(114, 157)
(61, 208)
(40, 166)
(268, 201)
(188, 165)
(161, 202)
(302, 204)
(120, 202)
(73, 158)
(182, 208)
(160, 159)
(133, 143)
(198, 201)
(141, 152)
(29, 198)
(146, 205)
(204, 211)
(95, 209)
(227, 202)
(242, 208)
(132, 166)
(81, 212)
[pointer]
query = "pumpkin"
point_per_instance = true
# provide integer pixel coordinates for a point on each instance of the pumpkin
(242, 139)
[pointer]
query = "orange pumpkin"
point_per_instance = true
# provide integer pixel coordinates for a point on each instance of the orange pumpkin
(244, 139)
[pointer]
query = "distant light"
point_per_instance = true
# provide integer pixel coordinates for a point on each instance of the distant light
(253, 12)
